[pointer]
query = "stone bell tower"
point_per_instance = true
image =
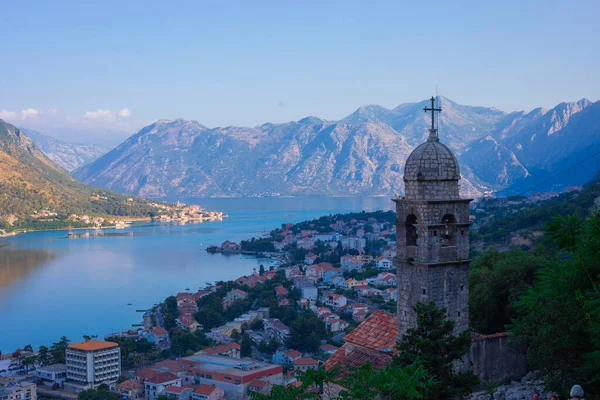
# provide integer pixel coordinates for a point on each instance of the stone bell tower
(432, 225)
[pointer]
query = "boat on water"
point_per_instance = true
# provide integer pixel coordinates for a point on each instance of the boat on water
(129, 304)
(187, 288)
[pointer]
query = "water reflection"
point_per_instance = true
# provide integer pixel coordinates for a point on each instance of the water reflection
(16, 264)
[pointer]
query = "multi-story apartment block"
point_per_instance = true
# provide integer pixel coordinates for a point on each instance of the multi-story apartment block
(18, 391)
(91, 363)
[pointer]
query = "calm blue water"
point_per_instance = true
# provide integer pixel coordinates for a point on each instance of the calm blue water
(52, 285)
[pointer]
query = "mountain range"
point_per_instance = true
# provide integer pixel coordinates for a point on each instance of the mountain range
(70, 156)
(361, 154)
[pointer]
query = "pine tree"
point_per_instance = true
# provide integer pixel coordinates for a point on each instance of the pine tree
(433, 345)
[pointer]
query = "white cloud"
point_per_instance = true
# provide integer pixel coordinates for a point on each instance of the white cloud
(29, 113)
(106, 115)
(100, 114)
(5, 114)
(126, 112)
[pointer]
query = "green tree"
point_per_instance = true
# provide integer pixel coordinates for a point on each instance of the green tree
(44, 356)
(261, 269)
(235, 334)
(433, 345)
(28, 348)
(246, 346)
(58, 350)
(102, 393)
(496, 280)
(307, 331)
(559, 317)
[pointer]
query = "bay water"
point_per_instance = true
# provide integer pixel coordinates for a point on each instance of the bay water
(53, 284)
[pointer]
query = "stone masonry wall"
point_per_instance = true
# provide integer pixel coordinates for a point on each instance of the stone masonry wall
(431, 190)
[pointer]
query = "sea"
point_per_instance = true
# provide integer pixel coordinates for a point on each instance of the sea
(94, 282)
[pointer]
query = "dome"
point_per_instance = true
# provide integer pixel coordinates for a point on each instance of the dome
(431, 161)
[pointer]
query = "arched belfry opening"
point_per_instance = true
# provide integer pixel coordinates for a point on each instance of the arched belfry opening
(412, 234)
(448, 234)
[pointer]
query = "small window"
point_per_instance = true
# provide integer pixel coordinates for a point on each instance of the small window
(459, 313)
(434, 233)
(424, 291)
(228, 378)
(462, 232)
(462, 288)
(208, 376)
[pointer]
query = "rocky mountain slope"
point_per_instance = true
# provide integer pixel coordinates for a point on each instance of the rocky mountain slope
(30, 181)
(362, 154)
(70, 156)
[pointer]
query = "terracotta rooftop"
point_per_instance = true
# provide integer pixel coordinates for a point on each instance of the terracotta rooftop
(305, 361)
(160, 330)
(162, 377)
(280, 290)
(291, 353)
(177, 389)
(129, 385)
(173, 365)
(348, 357)
(146, 373)
(377, 332)
(205, 389)
(259, 384)
(93, 345)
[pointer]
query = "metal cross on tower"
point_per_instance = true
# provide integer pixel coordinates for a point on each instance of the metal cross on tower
(433, 110)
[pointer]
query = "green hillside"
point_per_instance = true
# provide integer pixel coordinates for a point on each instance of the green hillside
(31, 183)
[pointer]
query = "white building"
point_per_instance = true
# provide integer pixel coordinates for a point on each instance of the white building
(155, 385)
(310, 293)
(91, 363)
(385, 263)
(52, 373)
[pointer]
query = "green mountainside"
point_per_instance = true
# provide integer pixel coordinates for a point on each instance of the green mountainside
(30, 183)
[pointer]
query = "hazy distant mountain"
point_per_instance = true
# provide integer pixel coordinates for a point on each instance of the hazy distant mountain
(70, 156)
(362, 154)
(103, 138)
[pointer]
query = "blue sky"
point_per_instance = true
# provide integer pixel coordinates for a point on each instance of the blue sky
(128, 63)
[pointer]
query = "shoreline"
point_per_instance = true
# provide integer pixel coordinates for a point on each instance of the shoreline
(133, 220)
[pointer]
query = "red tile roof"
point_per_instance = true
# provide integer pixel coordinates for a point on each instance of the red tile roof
(281, 291)
(377, 332)
(259, 384)
(176, 389)
(291, 353)
(146, 373)
(160, 331)
(348, 357)
(171, 365)
(205, 389)
(129, 385)
(93, 345)
(305, 361)
(162, 378)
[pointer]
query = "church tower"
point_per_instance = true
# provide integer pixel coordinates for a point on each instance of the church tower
(432, 234)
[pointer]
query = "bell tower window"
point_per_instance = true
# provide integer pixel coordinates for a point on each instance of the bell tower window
(448, 221)
(411, 230)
